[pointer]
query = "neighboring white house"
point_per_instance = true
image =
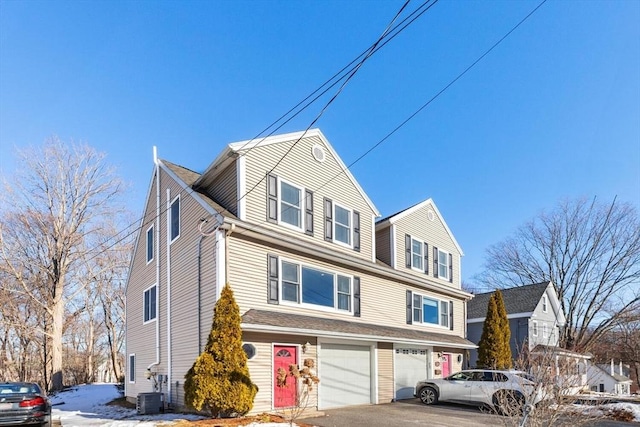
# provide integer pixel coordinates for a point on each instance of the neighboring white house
(605, 379)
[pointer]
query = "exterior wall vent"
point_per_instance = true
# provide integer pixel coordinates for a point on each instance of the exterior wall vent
(431, 215)
(318, 153)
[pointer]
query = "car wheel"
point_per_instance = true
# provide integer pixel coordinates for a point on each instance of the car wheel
(509, 403)
(428, 395)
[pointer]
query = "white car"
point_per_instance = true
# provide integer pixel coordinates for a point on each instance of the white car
(507, 392)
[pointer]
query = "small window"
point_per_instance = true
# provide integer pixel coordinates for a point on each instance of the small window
(150, 304)
(290, 204)
(132, 368)
(443, 265)
(290, 282)
(344, 293)
(175, 218)
(544, 330)
(342, 225)
(535, 328)
(544, 303)
(249, 350)
(417, 256)
(150, 244)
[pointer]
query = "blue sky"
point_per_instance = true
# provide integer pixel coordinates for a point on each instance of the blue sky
(552, 112)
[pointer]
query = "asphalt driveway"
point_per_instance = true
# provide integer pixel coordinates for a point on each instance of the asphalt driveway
(413, 413)
(405, 413)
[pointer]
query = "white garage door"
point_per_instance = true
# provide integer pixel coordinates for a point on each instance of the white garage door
(345, 375)
(410, 366)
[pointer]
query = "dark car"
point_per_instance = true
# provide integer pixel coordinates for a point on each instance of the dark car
(24, 404)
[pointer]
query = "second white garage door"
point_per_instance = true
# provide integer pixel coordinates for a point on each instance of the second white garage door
(410, 366)
(345, 375)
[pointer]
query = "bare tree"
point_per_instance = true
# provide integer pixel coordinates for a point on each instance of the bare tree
(57, 204)
(589, 250)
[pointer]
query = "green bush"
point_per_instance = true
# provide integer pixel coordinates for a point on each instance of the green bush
(493, 349)
(219, 379)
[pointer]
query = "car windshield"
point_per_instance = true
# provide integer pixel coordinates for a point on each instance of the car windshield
(17, 389)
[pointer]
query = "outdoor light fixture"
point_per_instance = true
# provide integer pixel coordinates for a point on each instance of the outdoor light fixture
(459, 358)
(305, 346)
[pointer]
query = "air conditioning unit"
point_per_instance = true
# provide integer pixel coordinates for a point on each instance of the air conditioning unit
(149, 403)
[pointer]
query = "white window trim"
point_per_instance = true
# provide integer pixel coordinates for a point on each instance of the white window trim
(544, 303)
(545, 333)
(335, 274)
(335, 221)
(144, 309)
(153, 245)
(445, 277)
(170, 218)
(535, 328)
(129, 366)
(302, 206)
(413, 267)
(439, 301)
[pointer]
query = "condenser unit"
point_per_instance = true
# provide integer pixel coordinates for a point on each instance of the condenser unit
(149, 403)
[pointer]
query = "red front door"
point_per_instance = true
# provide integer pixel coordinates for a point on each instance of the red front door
(446, 365)
(284, 394)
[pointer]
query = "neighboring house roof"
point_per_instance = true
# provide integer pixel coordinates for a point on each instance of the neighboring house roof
(557, 351)
(389, 220)
(617, 377)
(522, 299)
(260, 320)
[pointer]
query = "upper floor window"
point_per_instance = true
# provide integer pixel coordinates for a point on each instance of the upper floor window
(289, 204)
(150, 301)
(431, 311)
(341, 225)
(545, 333)
(443, 265)
(535, 328)
(150, 244)
(174, 219)
(306, 285)
(544, 303)
(417, 254)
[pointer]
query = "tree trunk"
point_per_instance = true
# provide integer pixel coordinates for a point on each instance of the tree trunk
(57, 381)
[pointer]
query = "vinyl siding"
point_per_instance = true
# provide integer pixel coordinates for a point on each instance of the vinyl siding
(141, 339)
(382, 300)
(224, 189)
(383, 246)
(300, 168)
(385, 372)
(434, 233)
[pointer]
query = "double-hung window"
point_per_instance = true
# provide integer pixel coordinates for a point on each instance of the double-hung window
(150, 304)
(174, 224)
(544, 303)
(342, 224)
(150, 245)
(535, 328)
(290, 204)
(311, 286)
(443, 265)
(417, 254)
(429, 310)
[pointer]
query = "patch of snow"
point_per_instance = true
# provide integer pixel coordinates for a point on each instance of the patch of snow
(85, 405)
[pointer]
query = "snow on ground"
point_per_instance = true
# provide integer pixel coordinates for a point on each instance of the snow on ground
(85, 406)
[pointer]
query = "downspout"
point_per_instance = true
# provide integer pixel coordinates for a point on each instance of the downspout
(168, 300)
(157, 226)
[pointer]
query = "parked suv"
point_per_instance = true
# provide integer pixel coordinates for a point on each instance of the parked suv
(24, 403)
(505, 391)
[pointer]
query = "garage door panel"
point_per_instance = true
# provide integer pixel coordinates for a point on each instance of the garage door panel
(410, 367)
(345, 375)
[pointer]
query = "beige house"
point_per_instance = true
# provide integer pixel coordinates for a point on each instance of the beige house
(377, 304)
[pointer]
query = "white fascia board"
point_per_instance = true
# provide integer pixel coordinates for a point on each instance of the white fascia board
(275, 139)
(357, 337)
(241, 180)
(509, 316)
(189, 191)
